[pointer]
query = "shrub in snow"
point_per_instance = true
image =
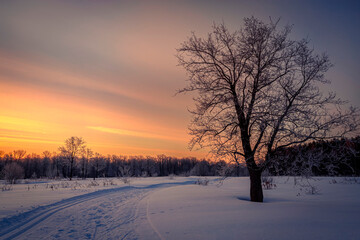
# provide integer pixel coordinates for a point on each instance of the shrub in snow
(267, 181)
(202, 182)
(333, 181)
(6, 187)
(12, 172)
(108, 182)
(125, 180)
(351, 180)
(93, 184)
(306, 185)
(311, 190)
(51, 186)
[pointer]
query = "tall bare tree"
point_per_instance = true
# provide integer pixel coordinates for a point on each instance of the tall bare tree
(259, 91)
(73, 148)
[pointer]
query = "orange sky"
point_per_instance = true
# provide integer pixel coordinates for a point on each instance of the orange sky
(39, 113)
(106, 71)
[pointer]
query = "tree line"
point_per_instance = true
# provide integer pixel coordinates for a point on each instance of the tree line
(319, 158)
(74, 159)
(337, 157)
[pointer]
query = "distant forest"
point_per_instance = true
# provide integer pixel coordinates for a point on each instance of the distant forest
(338, 157)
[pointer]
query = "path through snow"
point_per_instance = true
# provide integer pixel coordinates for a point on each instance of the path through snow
(106, 214)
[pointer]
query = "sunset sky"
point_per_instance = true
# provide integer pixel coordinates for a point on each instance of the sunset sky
(106, 70)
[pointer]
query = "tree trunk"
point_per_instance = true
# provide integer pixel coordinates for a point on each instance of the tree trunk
(71, 168)
(256, 193)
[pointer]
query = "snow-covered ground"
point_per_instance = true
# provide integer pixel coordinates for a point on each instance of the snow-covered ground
(165, 208)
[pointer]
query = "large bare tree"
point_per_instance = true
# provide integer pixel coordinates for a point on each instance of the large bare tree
(73, 148)
(258, 91)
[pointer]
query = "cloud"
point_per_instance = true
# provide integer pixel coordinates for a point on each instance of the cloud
(21, 124)
(8, 138)
(140, 134)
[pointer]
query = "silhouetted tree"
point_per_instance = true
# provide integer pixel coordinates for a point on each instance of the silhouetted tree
(321, 158)
(2, 153)
(73, 148)
(318, 158)
(19, 154)
(257, 92)
(97, 164)
(87, 155)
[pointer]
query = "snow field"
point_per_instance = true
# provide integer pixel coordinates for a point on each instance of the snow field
(106, 213)
(29, 194)
(212, 212)
(166, 208)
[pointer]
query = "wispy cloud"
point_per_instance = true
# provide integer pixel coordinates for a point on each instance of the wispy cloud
(140, 134)
(27, 140)
(21, 124)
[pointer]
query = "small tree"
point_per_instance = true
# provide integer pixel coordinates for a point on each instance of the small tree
(259, 91)
(73, 148)
(12, 172)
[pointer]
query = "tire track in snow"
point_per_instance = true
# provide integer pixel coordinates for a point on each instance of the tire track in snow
(124, 201)
(151, 223)
(27, 220)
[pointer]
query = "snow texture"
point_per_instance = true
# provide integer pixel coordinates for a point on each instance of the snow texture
(164, 208)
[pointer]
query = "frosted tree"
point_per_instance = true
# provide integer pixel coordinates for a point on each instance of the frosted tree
(258, 91)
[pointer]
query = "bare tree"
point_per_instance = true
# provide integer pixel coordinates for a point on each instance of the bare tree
(19, 154)
(12, 172)
(87, 155)
(2, 154)
(57, 160)
(97, 164)
(73, 148)
(46, 154)
(125, 171)
(259, 91)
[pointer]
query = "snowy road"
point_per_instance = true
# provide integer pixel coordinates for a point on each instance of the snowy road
(106, 214)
